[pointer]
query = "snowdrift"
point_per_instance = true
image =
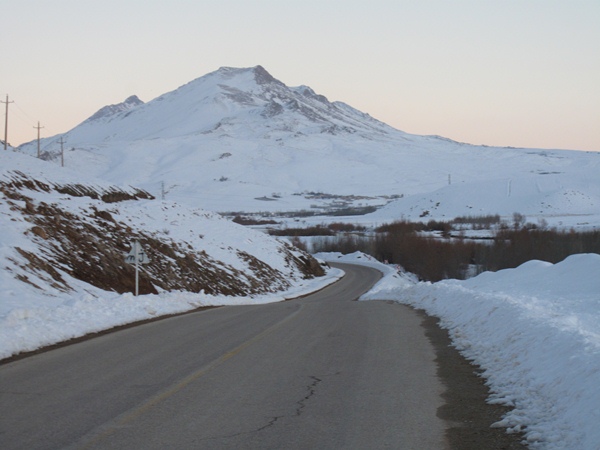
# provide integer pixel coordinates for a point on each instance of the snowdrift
(535, 332)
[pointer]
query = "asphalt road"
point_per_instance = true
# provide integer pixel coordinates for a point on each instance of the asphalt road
(321, 372)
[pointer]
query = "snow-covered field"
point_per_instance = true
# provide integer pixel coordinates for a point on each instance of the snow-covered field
(534, 330)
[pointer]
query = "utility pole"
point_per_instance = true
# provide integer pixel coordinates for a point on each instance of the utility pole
(62, 152)
(38, 128)
(6, 123)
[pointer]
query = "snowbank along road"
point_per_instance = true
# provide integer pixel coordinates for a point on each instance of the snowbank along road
(318, 372)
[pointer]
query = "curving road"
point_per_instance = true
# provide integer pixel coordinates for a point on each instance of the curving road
(323, 371)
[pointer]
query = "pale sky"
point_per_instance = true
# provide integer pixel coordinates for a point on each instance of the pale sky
(518, 73)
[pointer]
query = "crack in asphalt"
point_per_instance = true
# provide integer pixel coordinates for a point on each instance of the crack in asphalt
(312, 390)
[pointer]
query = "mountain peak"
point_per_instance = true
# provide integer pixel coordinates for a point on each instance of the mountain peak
(133, 100)
(263, 77)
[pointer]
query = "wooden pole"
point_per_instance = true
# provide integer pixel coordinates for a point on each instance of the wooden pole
(62, 152)
(38, 140)
(6, 123)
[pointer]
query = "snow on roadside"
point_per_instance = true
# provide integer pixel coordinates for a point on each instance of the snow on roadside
(33, 321)
(36, 312)
(534, 330)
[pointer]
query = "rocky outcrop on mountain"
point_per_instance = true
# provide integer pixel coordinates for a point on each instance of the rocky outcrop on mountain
(110, 110)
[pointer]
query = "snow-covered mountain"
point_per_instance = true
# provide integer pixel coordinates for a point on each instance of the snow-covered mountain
(242, 102)
(240, 140)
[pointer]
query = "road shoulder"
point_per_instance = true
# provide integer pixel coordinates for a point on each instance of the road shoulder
(465, 398)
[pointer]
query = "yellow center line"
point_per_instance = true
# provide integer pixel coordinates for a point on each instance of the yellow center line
(136, 412)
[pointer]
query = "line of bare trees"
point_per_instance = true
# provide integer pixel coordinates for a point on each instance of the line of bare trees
(433, 258)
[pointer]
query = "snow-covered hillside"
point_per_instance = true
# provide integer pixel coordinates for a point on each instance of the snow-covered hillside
(240, 140)
(63, 241)
(562, 199)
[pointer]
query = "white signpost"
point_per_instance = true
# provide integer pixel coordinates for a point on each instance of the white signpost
(136, 256)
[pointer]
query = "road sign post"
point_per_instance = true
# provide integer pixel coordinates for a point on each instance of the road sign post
(137, 256)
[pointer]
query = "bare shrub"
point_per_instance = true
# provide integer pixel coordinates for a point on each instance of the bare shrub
(245, 220)
(512, 248)
(398, 227)
(343, 244)
(478, 221)
(318, 230)
(340, 227)
(296, 242)
(518, 220)
(429, 258)
(436, 225)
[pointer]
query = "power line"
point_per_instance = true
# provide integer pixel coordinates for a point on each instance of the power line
(24, 117)
(24, 112)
